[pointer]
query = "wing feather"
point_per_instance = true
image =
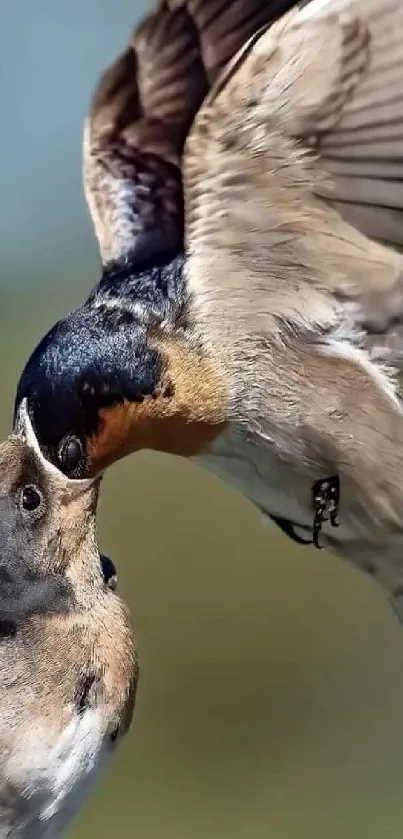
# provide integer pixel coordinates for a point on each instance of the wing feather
(224, 26)
(141, 113)
(133, 139)
(254, 216)
(364, 152)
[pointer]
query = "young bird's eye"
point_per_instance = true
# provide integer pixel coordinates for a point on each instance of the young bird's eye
(31, 498)
(70, 453)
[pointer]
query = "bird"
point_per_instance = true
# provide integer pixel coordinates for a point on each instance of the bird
(263, 354)
(68, 663)
(99, 358)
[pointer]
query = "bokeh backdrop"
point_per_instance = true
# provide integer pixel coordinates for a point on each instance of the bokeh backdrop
(271, 690)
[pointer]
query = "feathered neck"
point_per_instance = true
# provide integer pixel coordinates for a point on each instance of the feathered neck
(155, 293)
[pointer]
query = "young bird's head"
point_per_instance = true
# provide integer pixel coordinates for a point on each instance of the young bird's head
(47, 530)
(68, 671)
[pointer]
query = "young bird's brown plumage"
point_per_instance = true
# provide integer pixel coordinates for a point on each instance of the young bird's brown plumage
(68, 667)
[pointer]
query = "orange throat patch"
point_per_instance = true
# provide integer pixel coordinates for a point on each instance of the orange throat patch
(188, 413)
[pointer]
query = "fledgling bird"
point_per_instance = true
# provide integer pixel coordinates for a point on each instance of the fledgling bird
(68, 667)
(253, 351)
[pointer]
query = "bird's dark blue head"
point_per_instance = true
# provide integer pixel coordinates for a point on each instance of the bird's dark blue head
(95, 359)
(117, 375)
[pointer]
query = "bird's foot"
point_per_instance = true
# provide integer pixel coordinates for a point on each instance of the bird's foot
(326, 496)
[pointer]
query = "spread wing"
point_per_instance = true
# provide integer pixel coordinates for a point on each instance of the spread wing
(141, 113)
(258, 234)
(133, 139)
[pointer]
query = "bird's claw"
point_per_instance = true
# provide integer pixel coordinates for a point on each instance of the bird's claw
(326, 496)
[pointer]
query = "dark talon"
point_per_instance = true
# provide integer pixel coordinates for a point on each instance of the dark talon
(326, 497)
(288, 527)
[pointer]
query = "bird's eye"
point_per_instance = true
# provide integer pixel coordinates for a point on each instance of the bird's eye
(70, 453)
(31, 498)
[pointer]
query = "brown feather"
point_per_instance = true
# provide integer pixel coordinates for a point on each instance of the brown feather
(364, 152)
(140, 116)
(141, 113)
(246, 179)
(223, 26)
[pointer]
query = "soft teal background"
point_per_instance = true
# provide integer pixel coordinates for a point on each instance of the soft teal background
(271, 693)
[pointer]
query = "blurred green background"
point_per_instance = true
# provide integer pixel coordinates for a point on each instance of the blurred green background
(271, 690)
